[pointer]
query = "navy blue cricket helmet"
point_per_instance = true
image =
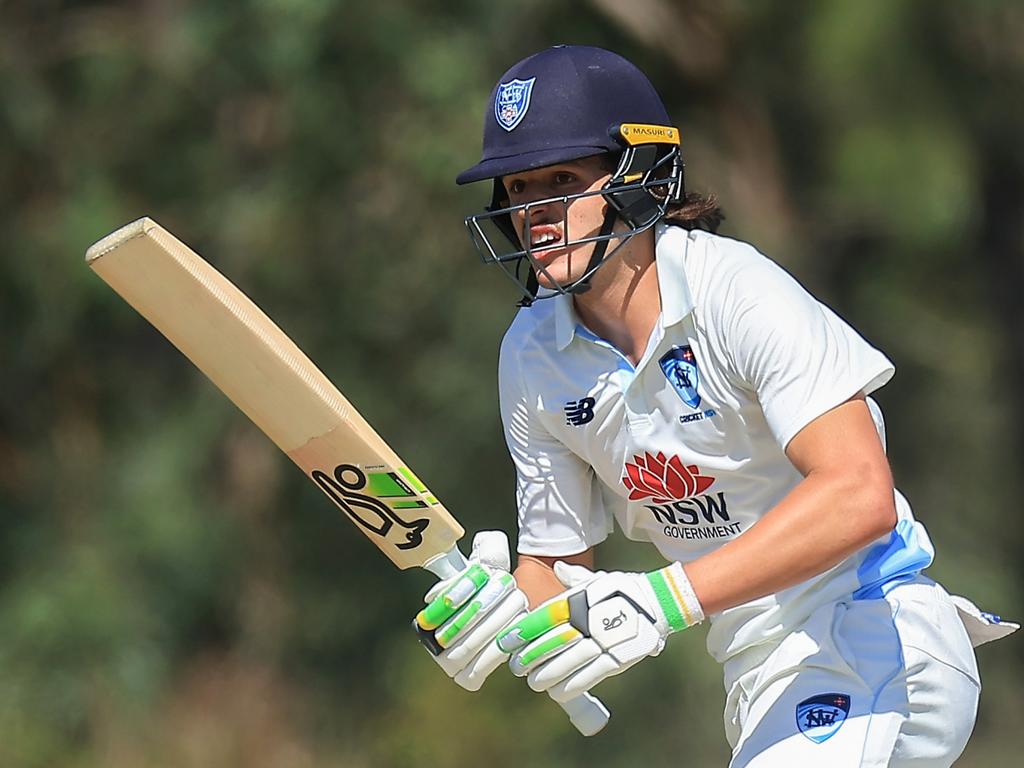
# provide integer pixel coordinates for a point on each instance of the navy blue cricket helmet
(565, 103)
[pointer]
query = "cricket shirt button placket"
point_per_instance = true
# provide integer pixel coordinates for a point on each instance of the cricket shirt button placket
(637, 411)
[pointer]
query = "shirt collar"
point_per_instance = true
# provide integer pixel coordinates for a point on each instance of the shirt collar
(565, 320)
(676, 300)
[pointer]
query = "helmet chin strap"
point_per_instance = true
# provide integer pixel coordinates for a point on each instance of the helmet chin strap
(583, 284)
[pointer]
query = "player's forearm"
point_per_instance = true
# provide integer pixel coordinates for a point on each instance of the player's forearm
(536, 577)
(822, 521)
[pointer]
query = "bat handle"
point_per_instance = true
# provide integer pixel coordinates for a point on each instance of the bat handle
(585, 711)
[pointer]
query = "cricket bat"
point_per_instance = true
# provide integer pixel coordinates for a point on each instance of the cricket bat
(263, 372)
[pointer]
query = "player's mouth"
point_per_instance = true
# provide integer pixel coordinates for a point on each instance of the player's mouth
(544, 237)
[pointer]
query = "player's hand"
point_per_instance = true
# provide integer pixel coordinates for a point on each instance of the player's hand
(465, 613)
(603, 624)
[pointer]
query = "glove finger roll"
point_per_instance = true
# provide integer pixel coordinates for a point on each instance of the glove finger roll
(444, 606)
(491, 548)
(482, 634)
(534, 624)
(558, 668)
(473, 675)
(586, 678)
(553, 642)
(482, 603)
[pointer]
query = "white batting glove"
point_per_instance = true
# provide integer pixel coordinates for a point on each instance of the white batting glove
(603, 624)
(465, 613)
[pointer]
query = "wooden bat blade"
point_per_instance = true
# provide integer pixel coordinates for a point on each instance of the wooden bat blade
(264, 373)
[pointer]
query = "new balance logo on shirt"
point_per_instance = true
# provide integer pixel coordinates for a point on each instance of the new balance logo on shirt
(580, 412)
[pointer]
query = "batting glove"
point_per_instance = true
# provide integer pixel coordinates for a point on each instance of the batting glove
(465, 613)
(603, 624)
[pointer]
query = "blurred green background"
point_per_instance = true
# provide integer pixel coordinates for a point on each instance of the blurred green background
(175, 593)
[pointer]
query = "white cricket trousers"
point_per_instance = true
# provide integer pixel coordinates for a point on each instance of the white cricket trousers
(886, 683)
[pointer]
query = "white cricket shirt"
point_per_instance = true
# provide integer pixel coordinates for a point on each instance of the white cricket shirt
(686, 450)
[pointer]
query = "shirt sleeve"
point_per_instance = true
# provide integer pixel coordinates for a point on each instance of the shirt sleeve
(558, 496)
(796, 354)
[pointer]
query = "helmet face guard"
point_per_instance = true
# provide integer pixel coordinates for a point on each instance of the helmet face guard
(648, 178)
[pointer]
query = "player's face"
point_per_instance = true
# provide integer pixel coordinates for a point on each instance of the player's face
(545, 227)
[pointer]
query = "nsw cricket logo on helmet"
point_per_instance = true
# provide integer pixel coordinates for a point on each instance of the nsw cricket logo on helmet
(511, 100)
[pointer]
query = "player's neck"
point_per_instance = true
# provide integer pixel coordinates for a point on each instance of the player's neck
(624, 302)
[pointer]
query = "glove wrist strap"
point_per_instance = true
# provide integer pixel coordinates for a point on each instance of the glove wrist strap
(676, 597)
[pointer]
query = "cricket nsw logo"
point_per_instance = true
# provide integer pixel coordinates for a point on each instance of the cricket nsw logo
(820, 717)
(679, 365)
(652, 476)
(511, 102)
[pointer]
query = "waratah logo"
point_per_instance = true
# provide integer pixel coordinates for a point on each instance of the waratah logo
(652, 477)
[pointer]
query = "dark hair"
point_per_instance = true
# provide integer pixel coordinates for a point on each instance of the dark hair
(694, 211)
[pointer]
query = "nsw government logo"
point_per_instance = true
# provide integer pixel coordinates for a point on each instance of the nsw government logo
(679, 498)
(511, 102)
(679, 365)
(654, 477)
(820, 717)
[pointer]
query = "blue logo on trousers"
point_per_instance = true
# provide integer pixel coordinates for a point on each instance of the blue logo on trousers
(820, 717)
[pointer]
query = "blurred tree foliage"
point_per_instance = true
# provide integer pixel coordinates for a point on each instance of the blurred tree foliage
(174, 594)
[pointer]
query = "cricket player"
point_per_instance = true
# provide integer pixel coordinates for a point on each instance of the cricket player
(684, 387)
